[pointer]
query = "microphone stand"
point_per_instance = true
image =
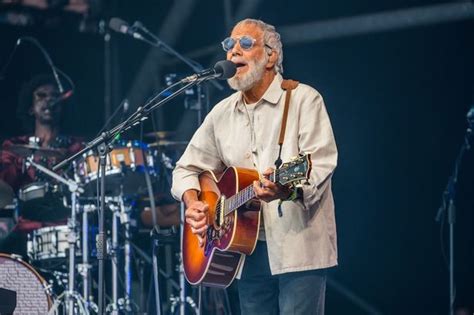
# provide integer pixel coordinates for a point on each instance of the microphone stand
(448, 206)
(158, 43)
(198, 107)
(102, 144)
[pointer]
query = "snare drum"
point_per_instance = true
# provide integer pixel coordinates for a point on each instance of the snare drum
(124, 171)
(32, 292)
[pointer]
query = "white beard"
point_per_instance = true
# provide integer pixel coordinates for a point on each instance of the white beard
(248, 80)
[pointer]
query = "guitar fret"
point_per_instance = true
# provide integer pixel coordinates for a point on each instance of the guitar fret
(240, 198)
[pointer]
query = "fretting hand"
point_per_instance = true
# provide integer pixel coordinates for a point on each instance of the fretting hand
(268, 191)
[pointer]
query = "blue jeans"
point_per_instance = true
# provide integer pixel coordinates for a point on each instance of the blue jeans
(290, 293)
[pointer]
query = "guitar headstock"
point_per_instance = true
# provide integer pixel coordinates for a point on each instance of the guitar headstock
(295, 171)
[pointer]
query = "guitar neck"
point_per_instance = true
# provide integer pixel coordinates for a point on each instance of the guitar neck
(243, 196)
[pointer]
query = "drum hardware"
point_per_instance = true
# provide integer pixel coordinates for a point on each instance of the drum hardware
(70, 296)
(84, 268)
(101, 143)
(120, 214)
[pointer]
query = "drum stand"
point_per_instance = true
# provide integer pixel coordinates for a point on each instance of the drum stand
(70, 295)
(121, 212)
(84, 268)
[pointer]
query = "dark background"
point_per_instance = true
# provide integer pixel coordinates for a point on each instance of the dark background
(397, 100)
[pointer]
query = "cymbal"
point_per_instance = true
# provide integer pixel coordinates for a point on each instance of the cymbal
(168, 144)
(6, 194)
(161, 134)
(26, 150)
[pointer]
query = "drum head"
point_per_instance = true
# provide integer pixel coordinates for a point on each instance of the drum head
(30, 287)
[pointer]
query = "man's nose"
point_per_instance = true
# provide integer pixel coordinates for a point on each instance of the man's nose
(236, 50)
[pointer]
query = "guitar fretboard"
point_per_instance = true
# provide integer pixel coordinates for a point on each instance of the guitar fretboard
(240, 198)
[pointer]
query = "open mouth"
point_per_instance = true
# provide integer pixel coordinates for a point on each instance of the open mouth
(240, 65)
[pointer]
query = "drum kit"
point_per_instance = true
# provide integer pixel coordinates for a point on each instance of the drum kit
(58, 274)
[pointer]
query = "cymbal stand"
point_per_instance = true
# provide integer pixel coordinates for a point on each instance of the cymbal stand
(70, 295)
(112, 308)
(127, 252)
(84, 268)
(120, 213)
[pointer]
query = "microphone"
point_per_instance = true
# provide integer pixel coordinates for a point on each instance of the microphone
(222, 70)
(120, 26)
(61, 98)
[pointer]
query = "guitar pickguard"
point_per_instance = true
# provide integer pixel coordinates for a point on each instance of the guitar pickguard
(215, 236)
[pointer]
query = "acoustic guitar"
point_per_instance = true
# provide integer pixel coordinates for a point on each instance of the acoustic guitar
(233, 221)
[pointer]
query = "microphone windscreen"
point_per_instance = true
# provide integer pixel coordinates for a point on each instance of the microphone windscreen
(117, 24)
(226, 68)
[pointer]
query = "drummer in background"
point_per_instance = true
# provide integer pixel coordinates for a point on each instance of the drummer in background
(42, 122)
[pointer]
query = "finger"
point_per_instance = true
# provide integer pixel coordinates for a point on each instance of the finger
(258, 188)
(200, 231)
(196, 224)
(261, 192)
(201, 240)
(200, 206)
(195, 215)
(269, 184)
(268, 172)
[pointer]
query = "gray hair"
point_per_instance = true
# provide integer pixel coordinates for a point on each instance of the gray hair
(271, 38)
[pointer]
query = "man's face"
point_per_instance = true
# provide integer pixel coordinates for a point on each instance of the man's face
(42, 97)
(250, 62)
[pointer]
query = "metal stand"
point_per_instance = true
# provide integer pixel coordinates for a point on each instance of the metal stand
(70, 295)
(120, 216)
(101, 244)
(114, 249)
(448, 205)
(71, 239)
(127, 253)
(84, 268)
(183, 299)
(102, 143)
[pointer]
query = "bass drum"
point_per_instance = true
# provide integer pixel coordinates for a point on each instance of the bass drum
(32, 296)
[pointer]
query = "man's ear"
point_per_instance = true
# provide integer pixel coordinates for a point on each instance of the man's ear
(272, 59)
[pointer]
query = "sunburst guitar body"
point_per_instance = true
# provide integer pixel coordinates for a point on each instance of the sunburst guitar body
(233, 221)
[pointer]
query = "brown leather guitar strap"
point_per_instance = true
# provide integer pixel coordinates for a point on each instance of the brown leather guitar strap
(286, 85)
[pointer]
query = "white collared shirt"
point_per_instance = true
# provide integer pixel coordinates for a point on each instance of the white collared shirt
(304, 238)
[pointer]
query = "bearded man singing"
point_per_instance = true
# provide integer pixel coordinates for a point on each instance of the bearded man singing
(286, 273)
